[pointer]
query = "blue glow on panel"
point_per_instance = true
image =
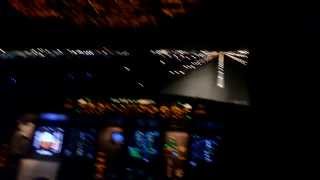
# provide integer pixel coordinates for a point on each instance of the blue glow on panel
(117, 137)
(53, 117)
(145, 144)
(203, 150)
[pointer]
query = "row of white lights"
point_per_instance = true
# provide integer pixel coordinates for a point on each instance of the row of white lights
(179, 55)
(188, 60)
(240, 56)
(43, 52)
(201, 58)
(202, 55)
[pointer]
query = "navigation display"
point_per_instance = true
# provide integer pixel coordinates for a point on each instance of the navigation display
(145, 145)
(80, 143)
(203, 150)
(48, 140)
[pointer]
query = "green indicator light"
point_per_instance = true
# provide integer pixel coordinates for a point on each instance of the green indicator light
(134, 152)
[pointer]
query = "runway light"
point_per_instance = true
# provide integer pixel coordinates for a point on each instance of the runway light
(243, 51)
(188, 106)
(59, 51)
(79, 51)
(40, 54)
(237, 59)
(140, 84)
(82, 101)
(236, 54)
(126, 68)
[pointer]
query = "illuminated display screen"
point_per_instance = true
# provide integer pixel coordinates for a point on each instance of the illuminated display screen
(80, 143)
(48, 140)
(176, 153)
(203, 150)
(145, 145)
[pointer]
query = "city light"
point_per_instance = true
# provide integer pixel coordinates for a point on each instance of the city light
(243, 52)
(126, 68)
(140, 84)
(53, 53)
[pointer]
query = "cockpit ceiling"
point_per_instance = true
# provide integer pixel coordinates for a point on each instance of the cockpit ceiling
(105, 13)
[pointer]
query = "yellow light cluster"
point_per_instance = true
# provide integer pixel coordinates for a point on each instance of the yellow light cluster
(129, 107)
